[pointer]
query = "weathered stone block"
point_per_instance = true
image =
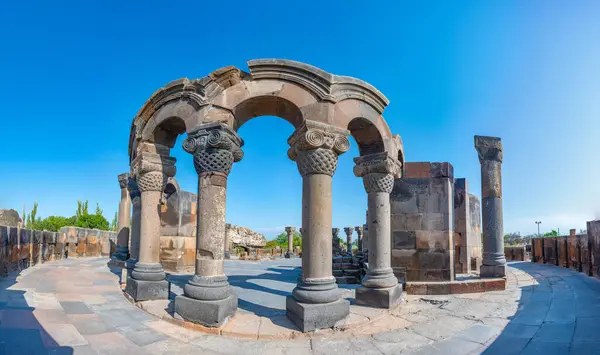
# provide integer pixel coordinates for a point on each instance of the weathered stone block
(442, 170)
(407, 222)
(207, 313)
(404, 239)
(147, 290)
(417, 169)
(434, 240)
(437, 222)
(434, 260)
(406, 258)
(493, 271)
(442, 288)
(309, 317)
(379, 298)
(467, 287)
(92, 247)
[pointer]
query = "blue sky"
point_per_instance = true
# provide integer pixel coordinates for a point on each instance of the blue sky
(75, 73)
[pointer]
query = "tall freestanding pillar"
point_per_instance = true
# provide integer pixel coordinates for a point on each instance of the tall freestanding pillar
(147, 280)
(349, 231)
(122, 251)
(489, 150)
(290, 234)
(208, 298)
(316, 301)
(380, 285)
(359, 238)
(134, 238)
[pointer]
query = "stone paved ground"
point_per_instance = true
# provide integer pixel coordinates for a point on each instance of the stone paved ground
(75, 306)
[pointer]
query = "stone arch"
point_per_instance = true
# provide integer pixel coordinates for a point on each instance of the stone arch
(288, 89)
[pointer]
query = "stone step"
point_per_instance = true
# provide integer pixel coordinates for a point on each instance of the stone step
(351, 272)
(347, 266)
(346, 280)
(337, 273)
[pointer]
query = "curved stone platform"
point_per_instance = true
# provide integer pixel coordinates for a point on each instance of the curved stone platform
(75, 306)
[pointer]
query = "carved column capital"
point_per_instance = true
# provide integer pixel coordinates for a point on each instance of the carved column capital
(378, 171)
(359, 230)
(488, 148)
(315, 147)
(335, 232)
(151, 171)
(132, 187)
(123, 180)
(215, 147)
(349, 230)
(290, 230)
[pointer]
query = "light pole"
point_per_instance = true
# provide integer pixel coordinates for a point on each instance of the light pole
(538, 224)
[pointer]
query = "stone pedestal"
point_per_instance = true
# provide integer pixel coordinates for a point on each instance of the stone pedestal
(380, 285)
(151, 173)
(489, 150)
(290, 233)
(348, 231)
(208, 298)
(122, 252)
(316, 301)
(134, 239)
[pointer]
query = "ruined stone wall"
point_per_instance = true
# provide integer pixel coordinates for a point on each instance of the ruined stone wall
(515, 253)
(22, 247)
(580, 252)
(178, 213)
(422, 208)
(467, 230)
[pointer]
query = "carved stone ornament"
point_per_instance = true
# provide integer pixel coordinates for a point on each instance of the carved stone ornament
(290, 229)
(378, 182)
(315, 147)
(377, 163)
(488, 148)
(123, 180)
(215, 147)
(151, 171)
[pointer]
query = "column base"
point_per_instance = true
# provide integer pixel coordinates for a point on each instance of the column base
(130, 263)
(312, 316)
(141, 290)
(492, 271)
(227, 255)
(208, 313)
(121, 253)
(379, 297)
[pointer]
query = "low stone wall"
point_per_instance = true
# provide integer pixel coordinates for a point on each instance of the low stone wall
(580, 252)
(515, 253)
(21, 248)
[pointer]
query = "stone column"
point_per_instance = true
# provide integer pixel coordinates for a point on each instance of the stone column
(122, 251)
(208, 298)
(316, 301)
(227, 241)
(290, 232)
(147, 280)
(380, 285)
(359, 238)
(349, 231)
(489, 150)
(134, 239)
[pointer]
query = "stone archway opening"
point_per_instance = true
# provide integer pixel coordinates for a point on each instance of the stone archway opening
(324, 109)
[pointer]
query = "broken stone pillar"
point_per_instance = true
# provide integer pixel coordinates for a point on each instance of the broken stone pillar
(134, 239)
(290, 232)
(380, 285)
(227, 241)
(208, 298)
(348, 231)
(359, 238)
(147, 280)
(316, 302)
(335, 242)
(489, 150)
(124, 220)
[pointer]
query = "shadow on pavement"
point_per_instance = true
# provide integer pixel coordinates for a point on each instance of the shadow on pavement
(558, 315)
(20, 331)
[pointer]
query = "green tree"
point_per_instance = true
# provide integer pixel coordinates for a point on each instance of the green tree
(82, 209)
(55, 223)
(113, 224)
(553, 233)
(282, 241)
(98, 210)
(92, 221)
